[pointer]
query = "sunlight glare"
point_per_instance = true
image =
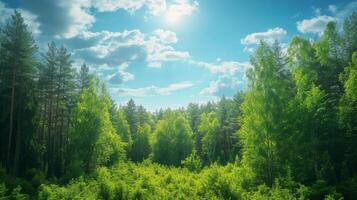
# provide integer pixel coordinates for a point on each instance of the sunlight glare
(173, 17)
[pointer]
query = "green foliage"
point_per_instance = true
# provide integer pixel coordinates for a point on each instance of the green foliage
(122, 127)
(350, 30)
(173, 140)
(141, 146)
(212, 138)
(3, 191)
(296, 126)
(192, 162)
(18, 95)
(153, 181)
(93, 141)
(347, 113)
(265, 115)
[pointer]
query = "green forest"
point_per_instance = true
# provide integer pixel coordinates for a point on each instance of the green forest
(292, 134)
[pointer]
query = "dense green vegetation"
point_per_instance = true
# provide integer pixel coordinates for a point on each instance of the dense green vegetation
(292, 134)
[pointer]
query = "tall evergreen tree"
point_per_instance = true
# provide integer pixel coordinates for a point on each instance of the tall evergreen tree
(131, 116)
(84, 77)
(18, 100)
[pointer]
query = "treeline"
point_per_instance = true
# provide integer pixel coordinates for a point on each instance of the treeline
(291, 135)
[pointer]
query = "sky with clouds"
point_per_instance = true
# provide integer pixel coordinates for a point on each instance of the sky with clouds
(167, 53)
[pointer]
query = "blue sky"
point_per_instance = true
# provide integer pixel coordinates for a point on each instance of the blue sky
(167, 53)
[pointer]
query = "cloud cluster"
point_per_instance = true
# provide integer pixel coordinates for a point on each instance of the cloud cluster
(332, 8)
(224, 85)
(269, 36)
(152, 90)
(230, 76)
(107, 50)
(154, 7)
(69, 18)
(224, 67)
(317, 24)
(122, 48)
(65, 18)
(109, 53)
(120, 76)
(314, 25)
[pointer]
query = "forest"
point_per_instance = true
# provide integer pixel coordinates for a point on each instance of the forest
(292, 134)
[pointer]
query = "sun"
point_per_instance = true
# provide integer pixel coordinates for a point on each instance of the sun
(173, 17)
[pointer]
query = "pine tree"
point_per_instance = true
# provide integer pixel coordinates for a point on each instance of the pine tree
(18, 91)
(131, 116)
(84, 77)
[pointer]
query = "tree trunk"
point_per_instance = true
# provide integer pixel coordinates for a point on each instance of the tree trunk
(11, 117)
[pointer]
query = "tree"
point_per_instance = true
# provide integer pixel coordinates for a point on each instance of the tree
(93, 141)
(143, 116)
(141, 146)
(122, 127)
(331, 56)
(264, 115)
(350, 34)
(212, 138)
(172, 139)
(193, 115)
(348, 113)
(228, 118)
(57, 89)
(18, 89)
(308, 109)
(131, 116)
(84, 77)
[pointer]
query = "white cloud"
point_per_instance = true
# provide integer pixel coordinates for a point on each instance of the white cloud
(332, 8)
(174, 87)
(112, 49)
(248, 49)
(113, 75)
(269, 36)
(152, 90)
(119, 77)
(69, 18)
(60, 19)
(317, 11)
(154, 7)
(32, 22)
(231, 77)
(224, 85)
(183, 7)
(167, 37)
(155, 64)
(113, 5)
(115, 48)
(314, 25)
(317, 24)
(224, 67)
